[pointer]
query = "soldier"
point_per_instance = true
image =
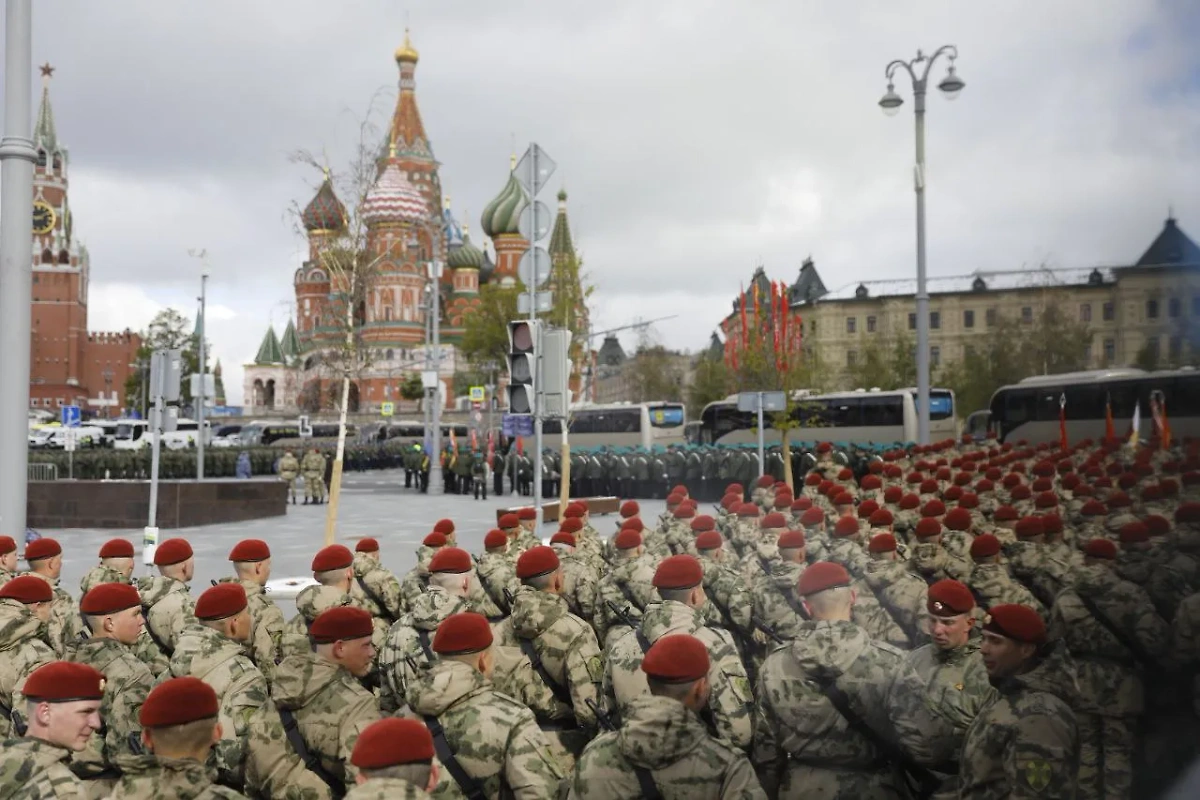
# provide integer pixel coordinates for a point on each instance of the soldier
(395, 761)
(252, 751)
(25, 604)
(165, 599)
(311, 602)
(114, 615)
(932, 561)
(179, 727)
(289, 468)
(1112, 630)
(478, 473)
(62, 710)
(116, 566)
(45, 561)
(561, 647)
(495, 569)
(496, 748)
(1025, 743)
(679, 581)
(990, 580)
(901, 593)
(775, 605)
(723, 585)
(333, 568)
(379, 584)
(955, 678)
(8, 559)
(252, 565)
(413, 584)
(313, 469)
(579, 576)
(642, 759)
(320, 694)
(626, 590)
(836, 708)
(411, 465)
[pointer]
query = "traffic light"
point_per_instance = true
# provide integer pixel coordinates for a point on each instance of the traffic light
(523, 337)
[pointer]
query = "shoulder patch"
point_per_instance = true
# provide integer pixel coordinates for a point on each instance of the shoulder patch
(1035, 773)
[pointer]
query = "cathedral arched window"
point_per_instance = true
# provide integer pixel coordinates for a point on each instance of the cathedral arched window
(41, 158)
(47, 256)
(64, 257)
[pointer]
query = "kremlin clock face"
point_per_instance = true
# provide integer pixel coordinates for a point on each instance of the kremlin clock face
(43, 217)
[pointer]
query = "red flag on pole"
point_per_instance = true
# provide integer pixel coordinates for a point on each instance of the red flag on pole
(745, 327)
(757, 326)
(1062, 422)
(1110, 427)
(787, 344)
(775, 321)
(520, 446)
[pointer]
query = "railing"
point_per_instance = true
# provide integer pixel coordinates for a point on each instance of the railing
(43, 472)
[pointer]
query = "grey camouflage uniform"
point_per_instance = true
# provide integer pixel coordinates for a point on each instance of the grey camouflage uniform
(168, 607)
(22, 650)
(148, 777)
(31, 769)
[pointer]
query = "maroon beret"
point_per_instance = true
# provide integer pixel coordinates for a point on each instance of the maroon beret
(773, 520)
(1118, 500)
(949, 598)
(1158, 525)
(1017, 622)
(882, 543)
(985, 485)
(563, 537)
(574, 510)
(676, 658)
(109, 598)
(812, 479)
(535, 561)
(928, 526)
(1134, 532)
(445, 526)
(435, 539)
(1187, 512)
(572, 524)
(1021, 492)
(764, 481)
(871, 482)
(630, 508)
(821, 576)
(958, 519)
(64, 682)
(172, 551)
(730, 501)
(709, 540)
(1046, 500)
(735, 487)
(1005, 514)
(703, 523)
(934, 508)
(1101, 548)
(1043, 485)
(27, 589)
(392, 742)
(462, 633)
(824, 447)
(340, 623)
(908, 502)
(866, 508)
(1028, 527)
(678, 572)
(221, 601)
(813, 516)
(892, 494)
(627, 539)
(881, 519)
(845, 526)
(526, 513)
(985, 545)
(928, 486)
(495, 538)
(968, 500)
(801, 504)
(450, 559)
(7, 545)
(843, 499)
(791, 540)
(953, 493)
(509, 520)
(684, 511)
(43, 548)
(253, 550)
(335, 556)
(117, 548)
(367, 544)
(747, 510)
(1052, 523)
(178, 701)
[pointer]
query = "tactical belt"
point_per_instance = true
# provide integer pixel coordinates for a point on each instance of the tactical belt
(535, 659)
(470, 787)
(159, 643)
(646, 783)
(423, 638)
(376, 599)
(311, 760)
(788, 597)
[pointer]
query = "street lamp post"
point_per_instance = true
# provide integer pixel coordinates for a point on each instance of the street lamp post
(109, 399)
(437, 485)
(200, 438)
(918, 70)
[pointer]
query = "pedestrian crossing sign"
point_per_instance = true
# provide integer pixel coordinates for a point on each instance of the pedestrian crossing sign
(477, 394)
(387, 409)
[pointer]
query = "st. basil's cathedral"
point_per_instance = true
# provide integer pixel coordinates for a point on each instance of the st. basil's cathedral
(408, 223)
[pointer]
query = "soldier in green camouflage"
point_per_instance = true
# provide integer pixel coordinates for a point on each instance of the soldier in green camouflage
(776, 607)
(679, 582)
(179, 728)
(804, 745)
(1114, 633)
(379, 585)
(414, 581)
(395, 760)
(45, 561)
(116, 566)
(310, 603)
(723, 586)
(252, 752)
(312, 466)
(8, 559)
(62, 711)
(498, 748)
(579, 575)
(114, 615)
(901, 593)
(24, 610)
(990, 580)
(495, 570)
(663, 741)
(166, 601)
(1025, 743)
(322, 689)
(627, 588)
(251, 560)
(289, 469)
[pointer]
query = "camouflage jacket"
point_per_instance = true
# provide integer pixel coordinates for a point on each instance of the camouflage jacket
(901, 593)
(388, 789)
(31, 769)
(312, 465)
(65, 623)
(1031, 565)
(404, 656)
(730, 702)
(1185, 643)
(169, 609)
(725, 589)
(380, 587)
(803, 746)
(331, 708)
(310, 602)
(266, 638)
(253, 751)
(565, 645)
(127, 682)
(1025, 743)
(145, 649)
(497, 573)
(579, 585)
(289, 467)
(931, 562)
(148, 777)
(956, 681)
(494, 737)
(97, 575)
(1107, 671)
(992, 585)
(663, 736)
(775, 602)
(630, 587)
(850, 554)
(1162, 581)
(22, 650)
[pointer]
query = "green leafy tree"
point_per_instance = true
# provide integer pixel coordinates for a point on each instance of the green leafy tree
(485, 334)
(711, 381)
(169, 330)
(413, 389)
(655, 373)
(887, 364)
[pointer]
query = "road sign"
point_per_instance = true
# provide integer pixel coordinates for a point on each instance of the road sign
(534, 169)
(70, 416)
(534, 267)
(387, 409)
(771, 401)
(69, 440)
(545, 301)
(525, 221)
(516, 425)
(478, 394)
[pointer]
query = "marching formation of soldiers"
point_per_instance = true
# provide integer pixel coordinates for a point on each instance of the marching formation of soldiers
(968, 620)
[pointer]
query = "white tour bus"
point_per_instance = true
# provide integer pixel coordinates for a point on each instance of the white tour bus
(621, 425)
(134, 434)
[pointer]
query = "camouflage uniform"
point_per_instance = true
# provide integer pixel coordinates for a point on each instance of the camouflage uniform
(331, 708)
(992, 585)
(313, 468)
(145, 649)
(724, 588)
(127, 682)
(804, 747)
(65, 624)
(97, 575)
(496, 573)
(1044, 576)
(495, 738)
(32, 769)
(629, 586)
(387, 789)
(289, 468)
(579, 584)
(148, 777)
(669, 740)
(1024, 744)
(404, 654)
(932, 562)
(309, 604)
(168, 607)
(21, 652)
(731, 701)
(1109, 674)
(1185, 640)
(253, 751)
(901, 593)
(380, 588)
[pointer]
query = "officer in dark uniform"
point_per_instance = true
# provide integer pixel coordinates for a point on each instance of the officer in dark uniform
(478, 473)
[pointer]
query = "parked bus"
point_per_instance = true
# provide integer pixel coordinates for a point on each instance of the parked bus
(268, 432)
(1030, 410)
(859, 417)
(134, 434)
(621, 425)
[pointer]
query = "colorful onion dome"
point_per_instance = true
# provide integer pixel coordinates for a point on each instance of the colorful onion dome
(324, 212)
(394, 199)
(487, 269)
(465, 255)
(501, 215)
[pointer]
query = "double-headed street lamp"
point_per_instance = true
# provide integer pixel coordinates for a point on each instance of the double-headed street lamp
(918, 70)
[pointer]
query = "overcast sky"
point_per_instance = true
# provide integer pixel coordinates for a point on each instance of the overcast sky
(697, 139)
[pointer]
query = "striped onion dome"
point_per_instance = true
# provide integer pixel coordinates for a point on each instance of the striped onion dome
(394, 199)
(465, 255)
(324, 212)
(501, 215)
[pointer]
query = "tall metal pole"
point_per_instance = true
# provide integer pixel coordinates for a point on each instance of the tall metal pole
(922, 292)
(150, 535)
(16, 265)
(762, 459)
(437, 484)
(203, 377)
(537, 372)
(428, 443)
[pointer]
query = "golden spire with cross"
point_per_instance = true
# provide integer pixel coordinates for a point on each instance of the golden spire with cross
(406, 52)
